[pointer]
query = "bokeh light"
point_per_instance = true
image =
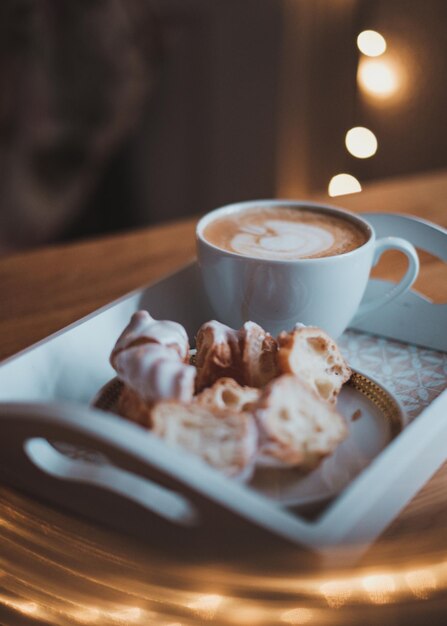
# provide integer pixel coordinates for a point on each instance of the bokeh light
(206, 606)
(296, 616)
(379, 587)
(378, 77)
(371, 43)
(88, 615)
(343, 184)
(361, 142)
(336, 593)
(421, 582)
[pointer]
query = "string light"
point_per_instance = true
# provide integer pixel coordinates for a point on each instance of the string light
(343, 184)
(378, 77)
(371, 43)
(361, 142)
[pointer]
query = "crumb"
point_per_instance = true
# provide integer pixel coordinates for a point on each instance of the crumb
(356, 415)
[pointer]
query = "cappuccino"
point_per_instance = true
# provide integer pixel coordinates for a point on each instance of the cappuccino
(284, 234)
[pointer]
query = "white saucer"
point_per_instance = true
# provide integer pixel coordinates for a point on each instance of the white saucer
(374, 418)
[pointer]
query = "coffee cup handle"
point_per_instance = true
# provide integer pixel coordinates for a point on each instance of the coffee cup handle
(381, 245)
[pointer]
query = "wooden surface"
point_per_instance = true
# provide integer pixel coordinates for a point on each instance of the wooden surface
(44, 290)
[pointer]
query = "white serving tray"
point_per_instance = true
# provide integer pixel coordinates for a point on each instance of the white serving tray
(147, 488)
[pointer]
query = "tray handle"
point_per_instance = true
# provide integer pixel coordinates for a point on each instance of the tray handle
(142, 487)
(119, 476)
(163, 502)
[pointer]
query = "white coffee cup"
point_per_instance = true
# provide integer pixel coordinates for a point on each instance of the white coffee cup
(324, 291)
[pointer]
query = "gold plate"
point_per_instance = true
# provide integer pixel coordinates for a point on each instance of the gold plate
(381, 420)
(382, 398)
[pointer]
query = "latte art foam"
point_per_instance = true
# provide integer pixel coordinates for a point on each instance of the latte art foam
(282, 240)
(282, 233)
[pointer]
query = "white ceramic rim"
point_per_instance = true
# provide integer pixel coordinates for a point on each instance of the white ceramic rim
(293, 204)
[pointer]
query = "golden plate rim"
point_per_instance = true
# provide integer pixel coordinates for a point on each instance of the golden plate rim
(107, 398)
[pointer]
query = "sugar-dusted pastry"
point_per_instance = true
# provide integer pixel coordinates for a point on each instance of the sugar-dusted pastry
(155, 372)
(142, 329)
(248, 355)
(309, 352)
(218, 354)
(226, 393)
(225, 439)
(259, 352)
(297, 427)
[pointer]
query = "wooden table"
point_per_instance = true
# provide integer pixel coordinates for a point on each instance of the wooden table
(44, 290)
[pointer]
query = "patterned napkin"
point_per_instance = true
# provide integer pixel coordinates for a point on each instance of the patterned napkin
(415, 376)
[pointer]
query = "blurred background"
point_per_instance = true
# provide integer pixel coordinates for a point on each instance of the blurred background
(115, 114)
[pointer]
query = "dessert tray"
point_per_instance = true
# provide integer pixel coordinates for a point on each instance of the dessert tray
(57, 445)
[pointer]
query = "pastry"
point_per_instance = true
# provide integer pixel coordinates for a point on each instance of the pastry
(247, 355)
(155, 373)
(151, 358)
(142, 329)
(296, 427)
(226, 393)
(224, 439)
(258, 400)
(309, 353)
(259, 353)
(218, 354)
